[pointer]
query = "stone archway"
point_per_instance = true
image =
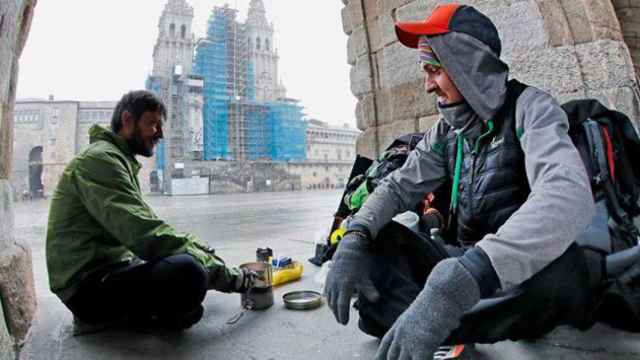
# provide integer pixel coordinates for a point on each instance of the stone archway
(17, 293)
(36, 188)
(628, 12)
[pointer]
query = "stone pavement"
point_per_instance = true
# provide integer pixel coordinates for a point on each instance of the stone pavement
(236, 225)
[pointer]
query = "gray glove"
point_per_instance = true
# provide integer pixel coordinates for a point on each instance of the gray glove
(349, 272)
(434, 314)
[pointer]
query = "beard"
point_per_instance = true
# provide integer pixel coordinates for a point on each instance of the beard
(138, 145)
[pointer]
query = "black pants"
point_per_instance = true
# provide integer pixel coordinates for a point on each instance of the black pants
(170, 289)
(562, 293)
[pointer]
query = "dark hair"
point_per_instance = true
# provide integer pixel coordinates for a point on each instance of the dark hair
(136, 103)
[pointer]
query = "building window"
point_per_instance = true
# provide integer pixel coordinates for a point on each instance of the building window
(266, 44)
(183, 31)
(258, 43)
(172, 30)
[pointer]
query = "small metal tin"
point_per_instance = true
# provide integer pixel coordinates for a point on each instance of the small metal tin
(302, 300)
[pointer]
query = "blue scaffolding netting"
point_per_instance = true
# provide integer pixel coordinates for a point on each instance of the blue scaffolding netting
(287, 140)
(234, 122)
(154, 85)
(211, 63)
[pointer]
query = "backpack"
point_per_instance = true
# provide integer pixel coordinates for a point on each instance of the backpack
(607, 141)
(361, 186)
(365, 176)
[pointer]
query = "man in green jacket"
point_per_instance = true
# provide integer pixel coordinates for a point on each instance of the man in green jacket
(109, 256)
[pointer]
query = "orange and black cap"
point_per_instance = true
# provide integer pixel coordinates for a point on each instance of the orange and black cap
(447, 18)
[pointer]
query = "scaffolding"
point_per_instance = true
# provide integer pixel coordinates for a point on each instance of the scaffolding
(287, 131)
(236, 126)
(156, 86)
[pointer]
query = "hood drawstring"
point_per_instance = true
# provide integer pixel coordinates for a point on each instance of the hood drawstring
(456, 176)
(453, 206)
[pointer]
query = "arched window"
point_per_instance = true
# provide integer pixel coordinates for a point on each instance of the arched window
(258, 43)
(266, 44)
(172, 30)
(183, 31)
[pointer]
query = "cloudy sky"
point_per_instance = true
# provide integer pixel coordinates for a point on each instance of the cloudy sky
(97, 50)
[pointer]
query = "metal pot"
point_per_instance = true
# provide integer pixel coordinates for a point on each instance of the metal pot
(260, 296)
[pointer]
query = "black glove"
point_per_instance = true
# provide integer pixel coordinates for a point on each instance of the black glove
(434, 314)
(349, 272)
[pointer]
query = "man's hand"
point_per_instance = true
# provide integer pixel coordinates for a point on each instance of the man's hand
(435, 313)
(245, 280)
(351, 265)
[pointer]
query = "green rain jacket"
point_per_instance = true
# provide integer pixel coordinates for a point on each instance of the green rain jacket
(98, 218)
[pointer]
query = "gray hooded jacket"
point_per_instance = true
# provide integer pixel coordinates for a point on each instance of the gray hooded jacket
(560, 204)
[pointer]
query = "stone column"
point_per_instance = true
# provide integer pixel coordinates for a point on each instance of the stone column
(569, 48)
(628, 12)
(17, 293)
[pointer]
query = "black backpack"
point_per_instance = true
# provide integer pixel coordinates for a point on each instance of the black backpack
(607, 141)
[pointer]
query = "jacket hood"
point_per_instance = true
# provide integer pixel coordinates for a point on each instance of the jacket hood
(477, 72)
(99, 133)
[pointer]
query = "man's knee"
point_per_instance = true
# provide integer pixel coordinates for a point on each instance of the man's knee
(184, 279)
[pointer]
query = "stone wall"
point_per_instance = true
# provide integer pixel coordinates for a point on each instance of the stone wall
(628, 12)
(570, 48)
(17, 293)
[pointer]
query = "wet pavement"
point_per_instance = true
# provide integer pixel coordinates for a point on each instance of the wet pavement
(236, 225)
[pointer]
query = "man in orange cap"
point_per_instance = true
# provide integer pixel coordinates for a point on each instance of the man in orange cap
(514, 176)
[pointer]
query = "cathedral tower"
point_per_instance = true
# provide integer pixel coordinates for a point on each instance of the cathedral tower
(262, 53)
(175, 40)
